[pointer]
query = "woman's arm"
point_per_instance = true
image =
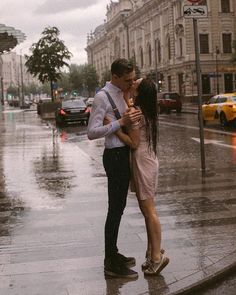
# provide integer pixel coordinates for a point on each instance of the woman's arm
(131, 139)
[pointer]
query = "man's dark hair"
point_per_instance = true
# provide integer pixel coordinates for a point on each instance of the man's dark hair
(121, 66)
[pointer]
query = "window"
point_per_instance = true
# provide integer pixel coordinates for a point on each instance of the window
(169, 83)
(133, 56)
(158, 51)
(204, 43)
(179, 9)
(213, 100)
(228, 79)
(149, 54)
(169, 47)
(227, 43)
(180, 46)
(206, 84)
(141, 57)
(221, 99)
(225, 6)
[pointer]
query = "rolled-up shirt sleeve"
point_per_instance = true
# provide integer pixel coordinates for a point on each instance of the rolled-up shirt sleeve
(96, 129)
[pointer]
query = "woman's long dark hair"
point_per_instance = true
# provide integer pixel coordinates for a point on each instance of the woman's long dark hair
(147, 101)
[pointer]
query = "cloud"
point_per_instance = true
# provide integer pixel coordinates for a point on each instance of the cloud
(74, 23)
(51, 7)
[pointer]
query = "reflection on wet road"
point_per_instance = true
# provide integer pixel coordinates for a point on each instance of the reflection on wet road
(53, 205)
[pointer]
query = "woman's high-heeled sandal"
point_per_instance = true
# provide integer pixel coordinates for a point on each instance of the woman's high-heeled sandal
(147, 262)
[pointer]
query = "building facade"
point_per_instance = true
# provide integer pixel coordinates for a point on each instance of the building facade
(14, 72)
(160, 39)
(9, 38)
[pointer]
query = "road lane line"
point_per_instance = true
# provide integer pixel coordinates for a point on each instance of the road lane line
(197, 128)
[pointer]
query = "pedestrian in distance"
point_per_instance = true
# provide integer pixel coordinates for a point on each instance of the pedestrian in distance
(109, 103)
(142, 138)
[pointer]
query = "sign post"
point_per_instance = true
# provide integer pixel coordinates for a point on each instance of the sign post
(193, 11)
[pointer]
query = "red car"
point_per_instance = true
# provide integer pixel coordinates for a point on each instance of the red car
(168, 101)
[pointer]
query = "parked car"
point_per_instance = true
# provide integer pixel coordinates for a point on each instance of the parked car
(89, 101)
(168, 101)
(221, 108)
(71, 112)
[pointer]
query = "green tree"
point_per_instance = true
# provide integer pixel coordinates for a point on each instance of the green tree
(76, 77)
(83, 78)
(90, 78)
(45, 88)
(106, 76)
(12, 90)
(64, 82)
(32, 88)
(48, 57)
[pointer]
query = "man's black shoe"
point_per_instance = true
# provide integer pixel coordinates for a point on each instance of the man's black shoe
(119, 271)
(127, 261)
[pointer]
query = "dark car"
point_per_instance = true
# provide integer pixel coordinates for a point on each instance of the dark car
(71, 112)
(168, 101)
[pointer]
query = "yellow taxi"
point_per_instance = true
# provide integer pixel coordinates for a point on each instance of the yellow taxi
(221, 107)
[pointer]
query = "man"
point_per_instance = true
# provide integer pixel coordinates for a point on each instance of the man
(115, 160)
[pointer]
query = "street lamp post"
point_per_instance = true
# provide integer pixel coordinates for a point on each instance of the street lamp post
(2, 92)
(217, 70)
(22, 83)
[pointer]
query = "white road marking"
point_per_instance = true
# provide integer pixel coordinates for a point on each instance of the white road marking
(197, 128)
(216, 142)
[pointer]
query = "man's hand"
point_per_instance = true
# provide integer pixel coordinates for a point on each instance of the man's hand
(131, 116)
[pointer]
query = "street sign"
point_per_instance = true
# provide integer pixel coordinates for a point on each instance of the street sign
(195, 11)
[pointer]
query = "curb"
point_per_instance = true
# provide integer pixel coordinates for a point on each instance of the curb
(205, 277)
(189, 111)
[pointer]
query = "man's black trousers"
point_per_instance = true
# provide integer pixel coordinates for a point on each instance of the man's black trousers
(117, 167)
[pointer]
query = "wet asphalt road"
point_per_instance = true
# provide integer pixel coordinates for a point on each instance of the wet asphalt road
(53, 204)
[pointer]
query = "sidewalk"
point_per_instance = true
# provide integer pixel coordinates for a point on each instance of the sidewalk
(53, 204)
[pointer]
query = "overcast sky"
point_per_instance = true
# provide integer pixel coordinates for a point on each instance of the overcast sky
(74, 19)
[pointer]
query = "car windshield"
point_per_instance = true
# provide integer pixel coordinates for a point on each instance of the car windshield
(233, 98)
(73, 104)
(174, 96)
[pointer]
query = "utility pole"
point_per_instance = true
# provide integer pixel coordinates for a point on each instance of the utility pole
(190, 12)
(217, 70)
(2, 92)
(199, 90)
(22, 84)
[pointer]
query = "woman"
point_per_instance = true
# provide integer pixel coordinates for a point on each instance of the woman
(142, 138)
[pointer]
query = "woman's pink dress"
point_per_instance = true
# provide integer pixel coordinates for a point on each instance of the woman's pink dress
(144, 167)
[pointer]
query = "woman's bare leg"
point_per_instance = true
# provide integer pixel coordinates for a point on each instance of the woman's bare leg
(153, 227)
